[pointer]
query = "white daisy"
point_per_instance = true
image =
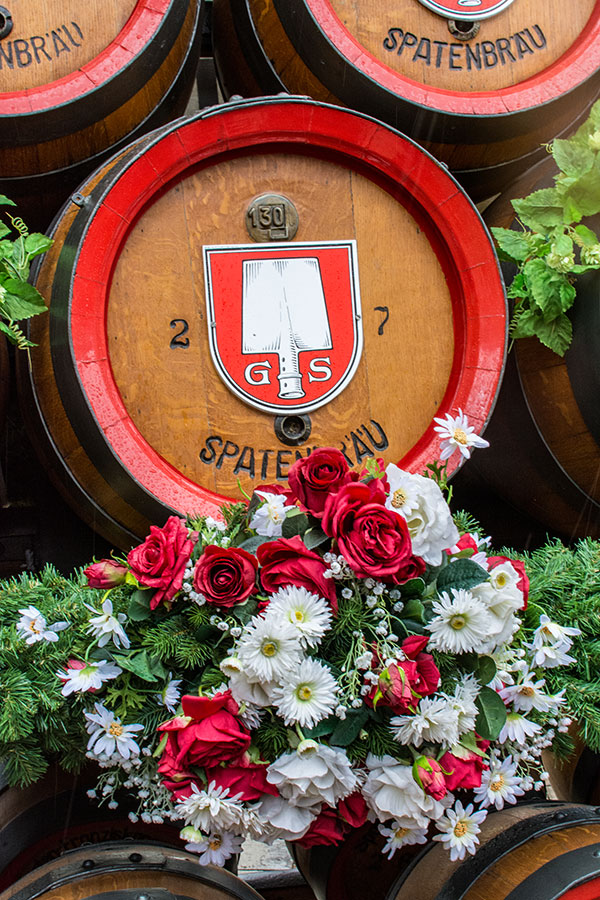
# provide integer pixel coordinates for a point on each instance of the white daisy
(108, 736)
(401, 833)
(459, 829)
(268, 649)
(308, 613)
(211, 809)
(499, 784)
(550, 632)
(517, 728)
(527, 695)
(212, 849)
(105, 626)
(457, 434)
(549, 656)
(170, 694)
(80, 676)
(461, 623)
(435, 721)
(268, 519)
(307, 695)
(32, 626)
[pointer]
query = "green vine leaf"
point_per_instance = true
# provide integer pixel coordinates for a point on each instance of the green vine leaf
(573, 159)
(540, 210)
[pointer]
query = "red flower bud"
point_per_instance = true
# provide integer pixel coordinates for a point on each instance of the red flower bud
(105, 574)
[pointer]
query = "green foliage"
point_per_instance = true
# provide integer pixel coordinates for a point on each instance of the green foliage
(272, 737)
(554, 246)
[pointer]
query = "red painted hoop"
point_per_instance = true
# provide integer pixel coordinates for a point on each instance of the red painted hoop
(454, 228)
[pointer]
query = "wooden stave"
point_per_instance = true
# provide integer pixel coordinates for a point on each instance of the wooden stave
(159, 514)
(314, 63)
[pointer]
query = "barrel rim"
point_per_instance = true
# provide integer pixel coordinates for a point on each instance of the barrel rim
(80, 351)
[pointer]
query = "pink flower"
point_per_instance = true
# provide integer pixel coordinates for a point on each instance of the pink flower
(429, 775)
(105, 574)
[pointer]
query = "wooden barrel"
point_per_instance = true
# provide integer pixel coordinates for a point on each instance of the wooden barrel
(79, 80)
(128, 871)
(533, 851)
(544, 434)
(482, 97)
(161, 382)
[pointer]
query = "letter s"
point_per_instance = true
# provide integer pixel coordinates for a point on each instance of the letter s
(322, 372)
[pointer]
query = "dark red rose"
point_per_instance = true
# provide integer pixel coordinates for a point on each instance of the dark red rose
(354, 810)
(314, 478)
(428, 675)
(245, 778)
(395, 687)
(287, 561)
(519, 567)
(225, 575)
(208, 733)
(464, 772)
(180, 786)
(429, 775)
(373, 540)
(161, 560)
(413, 568)
(327, 828)
(105, 574)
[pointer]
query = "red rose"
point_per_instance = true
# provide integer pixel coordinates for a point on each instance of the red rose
(314, 478)
(245, 778)
(161, 560)
(429, 775)
(180, 786)
(207, 734)
(395, 687)
(428, 675)
(105, 574)
(353, 809)
(466, 542)
(225, 575)
(287, 561)
(464, 772)
(374, 540)
(519, 567)
(327, 828)
(279, 490)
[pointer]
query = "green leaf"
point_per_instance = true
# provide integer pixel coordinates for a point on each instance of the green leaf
(15, 336)
(413, 609)
(563, 244)
(513, 243)
(245, 611)
(252, 544)
(461, 574)
(325, 726)
(588, 237)
(4, 201)
(294, 523)
(492, 714)
(142, 665)
(573, 159)
(413, 588)
(347, 729)
(518, 287)
(544, 285)
(557, 334)
(586, 196)
(567, 294)
(540, 210)
(314, 537)
(37, 243)
(4, 230)
(485, 669)
(22, 300)
(139, 605)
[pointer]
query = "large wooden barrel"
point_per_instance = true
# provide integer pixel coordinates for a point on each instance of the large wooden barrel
(128, 871)
(533, 851)
(481, 97)
(79, 79)
(156, 385)
(544, 456)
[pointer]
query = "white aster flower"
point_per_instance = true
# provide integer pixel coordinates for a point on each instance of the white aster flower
(457, 434)
(307, 695)
(268, 519)
(105, 626)
(170, 694)
(32, 626)
(435, 721)
(212, 849)
(549, 656)
(517, 729)
(284, 820)
(211, 809)
(420, 501)
(108, 736)
(528, 695)
(461, 623)
(391, 792)
(550, 632)
(268, 649)
(401, 833)
(500, 784)
(88, 676)
(313, 774)
(459, 829)
(309, 614)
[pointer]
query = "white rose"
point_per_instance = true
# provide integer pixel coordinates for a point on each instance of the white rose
(391, 792)
(321, 776)
(427, 515)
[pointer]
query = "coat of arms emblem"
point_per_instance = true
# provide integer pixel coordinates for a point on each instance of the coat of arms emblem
(466, 9)
(285, 326)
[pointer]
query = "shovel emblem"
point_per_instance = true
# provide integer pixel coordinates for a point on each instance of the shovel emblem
(285, 325)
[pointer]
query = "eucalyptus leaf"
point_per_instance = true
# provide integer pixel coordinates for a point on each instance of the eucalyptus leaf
(294, 523)
(485, 669)
(139, 605)
(252, 544)
(492, 714)
(348, 729)
(314, 537)
(413, 609)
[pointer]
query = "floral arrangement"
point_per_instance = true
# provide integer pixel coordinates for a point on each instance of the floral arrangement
(335, 651)
(554, 245)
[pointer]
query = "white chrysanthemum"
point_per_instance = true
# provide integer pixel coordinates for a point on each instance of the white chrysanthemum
(105, 626)
(211, 809)
(457, 434)
(89, 677)
(307, 695)
(284, 820)
(549, 632)
(435, 721)
(517, 729)
(401, 833)
(420, 501)
(268, 519)
(391, 792)
(460, 625)
(459, 829)
(309, 614)
(170, 694)
(463, 701)
(313, 773)
(500, 784)
(268, 649)
(213, 849)
(108, 736)
(32, 627)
